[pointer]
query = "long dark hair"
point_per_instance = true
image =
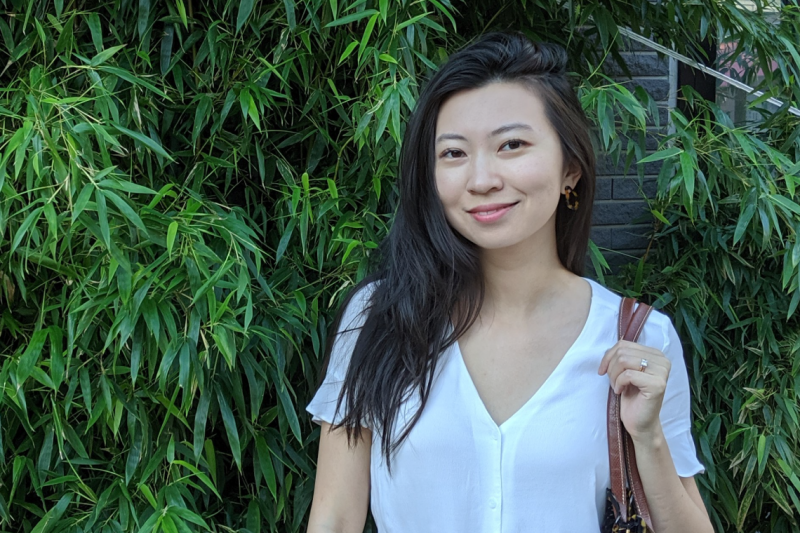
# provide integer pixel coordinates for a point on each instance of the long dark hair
(429, 275)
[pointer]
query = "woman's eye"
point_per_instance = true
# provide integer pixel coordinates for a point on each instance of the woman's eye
(513, 144)
(452, 154)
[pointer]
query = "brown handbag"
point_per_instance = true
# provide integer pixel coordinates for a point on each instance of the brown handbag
(626, 505)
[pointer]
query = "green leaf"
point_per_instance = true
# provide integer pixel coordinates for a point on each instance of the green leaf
(165, 57)
(265, 464)
(230, 428)
(144, 16)
(245, 8)
(147, 141)
(355, 17)
(105, 55)
(688, 169)
(348, 51)
(367, 34)
(662, 154)
(93, 21)
(31, 354)
(126, 210)
(411, 21)
(131, 78)
(226, 345)
(200, 420)
(745, 217)
(125, 186)
(288, 410)
(786, 203)
(290, 17)
(32, 217)
(134, 456)
(52, 516)
(172, 232)
(284, 242)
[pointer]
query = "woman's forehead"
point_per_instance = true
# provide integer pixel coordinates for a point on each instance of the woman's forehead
(490, 110)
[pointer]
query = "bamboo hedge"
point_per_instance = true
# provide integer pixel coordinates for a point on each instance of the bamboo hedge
(188, 189)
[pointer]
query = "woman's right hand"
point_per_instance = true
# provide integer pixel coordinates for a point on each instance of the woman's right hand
(341, 490)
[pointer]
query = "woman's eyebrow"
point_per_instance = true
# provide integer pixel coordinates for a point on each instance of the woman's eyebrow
(450, 137)
(498, 131)
(509, 127)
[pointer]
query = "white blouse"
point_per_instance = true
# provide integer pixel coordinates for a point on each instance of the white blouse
(543, 469)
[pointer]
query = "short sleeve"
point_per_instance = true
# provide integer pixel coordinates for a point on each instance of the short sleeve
(676, 410)
(323, 404)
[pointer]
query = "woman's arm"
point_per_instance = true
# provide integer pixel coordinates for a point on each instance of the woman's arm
(675, 503)
(341, 490)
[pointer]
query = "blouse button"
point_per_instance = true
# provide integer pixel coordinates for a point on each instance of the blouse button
(492, 503)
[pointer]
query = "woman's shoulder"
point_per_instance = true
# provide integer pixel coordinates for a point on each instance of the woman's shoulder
(658, 329)
(356, 304)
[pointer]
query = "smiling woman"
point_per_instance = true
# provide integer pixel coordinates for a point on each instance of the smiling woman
(465, 388)
(500, 176)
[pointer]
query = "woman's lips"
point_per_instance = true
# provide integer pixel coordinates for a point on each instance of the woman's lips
(490, 213)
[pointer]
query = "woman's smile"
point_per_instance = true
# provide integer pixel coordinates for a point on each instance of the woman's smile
(491, 212)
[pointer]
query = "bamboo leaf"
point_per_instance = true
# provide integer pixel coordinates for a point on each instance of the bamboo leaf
(230, 428)
(348, 51)
(105, 55)
(245, 8)
(662, 154)
(354, 17)
(144, 16)
(126, 210)
(147, 141)
(21, 233)
(172, 232)
(31, 355)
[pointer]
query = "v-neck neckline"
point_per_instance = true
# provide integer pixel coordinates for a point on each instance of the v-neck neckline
(537, 393)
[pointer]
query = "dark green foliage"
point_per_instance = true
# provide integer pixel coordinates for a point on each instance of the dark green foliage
(724, 263)
(188, 188)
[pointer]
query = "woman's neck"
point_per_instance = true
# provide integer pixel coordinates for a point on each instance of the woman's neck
(522, 281)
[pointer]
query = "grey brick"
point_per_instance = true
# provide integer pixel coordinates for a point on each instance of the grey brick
(606, 167)
(652, 138)
(628, 44)
(616, 212)
(630, 237)
(663, 117)
(601, 237)
(639, 64)
(657, 88)
(603, 189)
(628, 188)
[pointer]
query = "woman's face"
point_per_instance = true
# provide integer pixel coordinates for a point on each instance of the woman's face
(499, 170)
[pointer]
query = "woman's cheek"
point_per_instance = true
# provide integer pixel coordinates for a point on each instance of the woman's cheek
(447, 185)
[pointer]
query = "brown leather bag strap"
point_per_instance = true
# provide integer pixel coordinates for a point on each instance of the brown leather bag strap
(621, 454)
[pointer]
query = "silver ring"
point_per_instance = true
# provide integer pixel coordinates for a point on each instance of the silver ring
(643, 365)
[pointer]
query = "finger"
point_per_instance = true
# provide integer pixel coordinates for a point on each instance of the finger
(630, 360)
(605, 362)
(648, 383)
(626, 347)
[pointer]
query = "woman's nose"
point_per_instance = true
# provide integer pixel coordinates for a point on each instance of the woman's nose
(484, 176)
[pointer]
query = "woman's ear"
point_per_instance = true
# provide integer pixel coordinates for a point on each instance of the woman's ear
(572, 175)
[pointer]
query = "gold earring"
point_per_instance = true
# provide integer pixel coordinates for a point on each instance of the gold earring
(568, 194)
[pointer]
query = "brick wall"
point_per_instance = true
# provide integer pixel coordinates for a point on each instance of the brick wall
(620, 218)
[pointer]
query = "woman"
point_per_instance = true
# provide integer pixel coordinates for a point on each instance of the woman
(466, 387)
